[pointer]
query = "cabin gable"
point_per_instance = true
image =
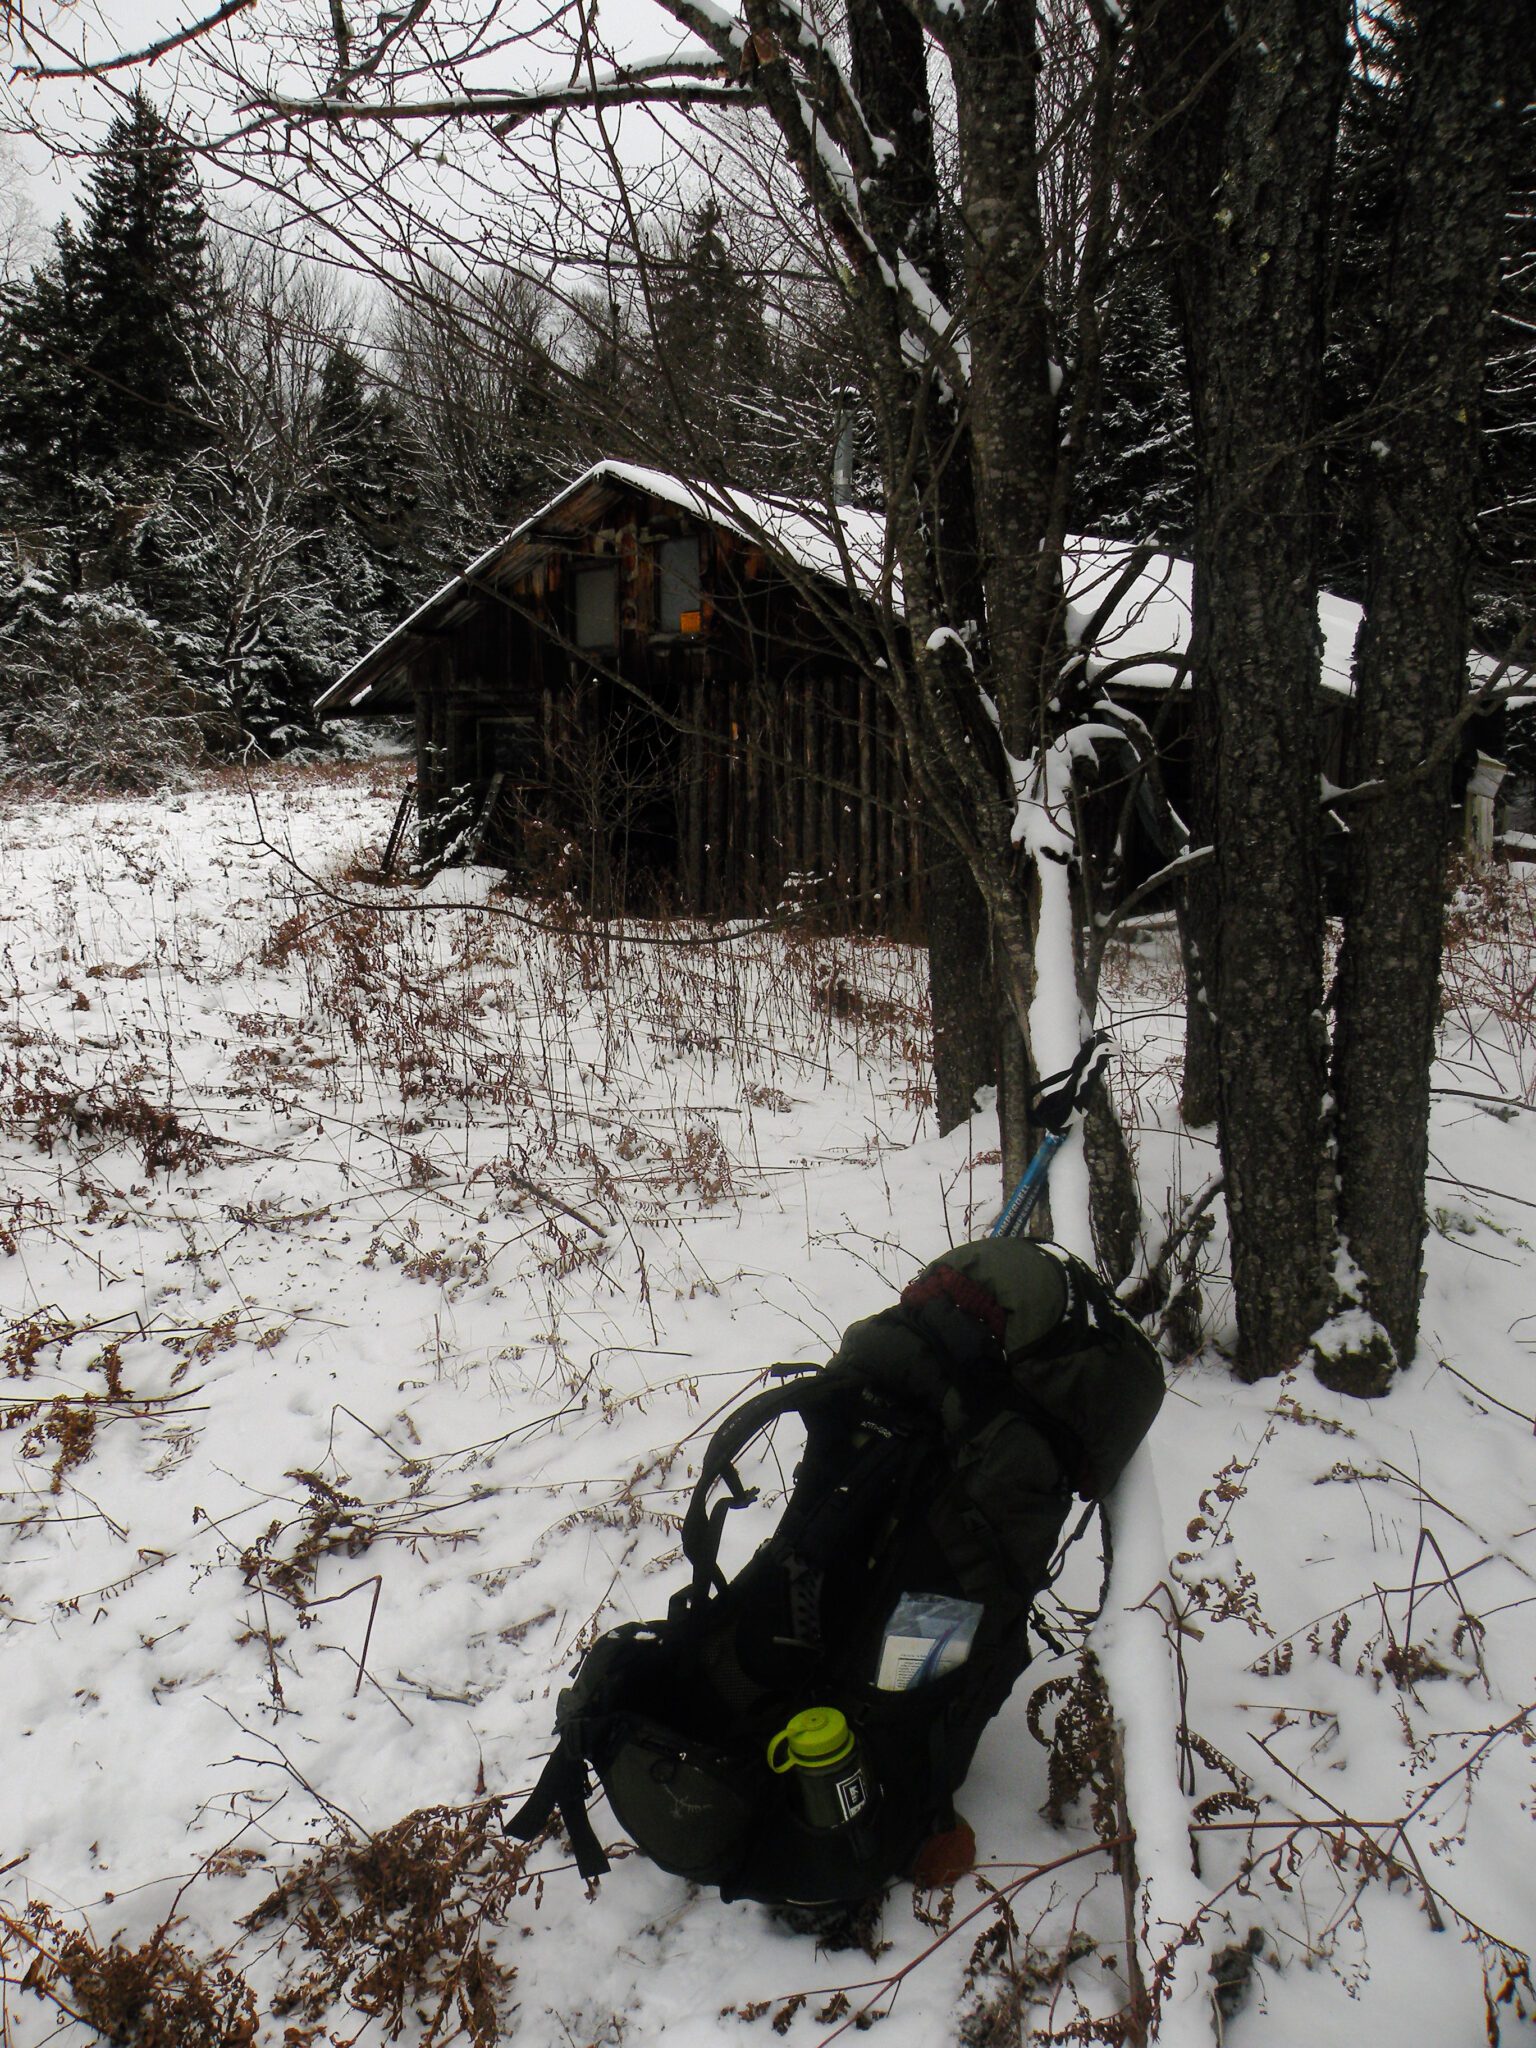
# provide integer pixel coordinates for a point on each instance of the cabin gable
(633, 700)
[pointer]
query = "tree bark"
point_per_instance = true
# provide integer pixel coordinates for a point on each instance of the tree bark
(1200, 1090)
(1469, 73)
(1245, 102)
(890, 75)
(959, 980)
(1013, 410)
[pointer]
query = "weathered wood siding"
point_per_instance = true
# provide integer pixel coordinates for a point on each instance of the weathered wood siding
(713, 772)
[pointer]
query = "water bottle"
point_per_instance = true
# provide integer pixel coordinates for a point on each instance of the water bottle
(831, 1786)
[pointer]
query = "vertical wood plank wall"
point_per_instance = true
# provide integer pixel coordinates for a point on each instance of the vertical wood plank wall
(786, 772)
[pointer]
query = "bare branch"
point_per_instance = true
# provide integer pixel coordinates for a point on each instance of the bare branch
(126, 60)
(689, 88)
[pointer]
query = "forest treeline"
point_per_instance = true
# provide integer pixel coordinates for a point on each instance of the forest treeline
(226, 472)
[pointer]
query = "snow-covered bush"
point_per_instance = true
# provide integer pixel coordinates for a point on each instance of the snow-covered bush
(88, 701)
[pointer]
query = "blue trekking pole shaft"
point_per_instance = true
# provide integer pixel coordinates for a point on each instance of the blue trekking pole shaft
(1020, 1205)
(1053, 1103)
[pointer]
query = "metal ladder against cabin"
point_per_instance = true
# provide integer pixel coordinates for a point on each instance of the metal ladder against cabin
(396, 837)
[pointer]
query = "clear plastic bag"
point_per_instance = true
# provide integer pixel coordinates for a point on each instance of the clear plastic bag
(928, 1634)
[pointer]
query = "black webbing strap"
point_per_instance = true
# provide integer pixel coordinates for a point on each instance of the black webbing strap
(703, 1527)
(563, 1788)
(1057, 1098)
(1058, 1562)
(1080, 1618)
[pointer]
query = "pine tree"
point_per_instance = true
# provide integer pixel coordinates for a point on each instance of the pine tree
(710, 349)
(104, 349)
(1136, 478)
(41, 411)
(476, 417)
(140, 291)
(365, 486)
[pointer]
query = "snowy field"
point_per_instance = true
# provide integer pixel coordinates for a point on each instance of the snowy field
(370, 1278)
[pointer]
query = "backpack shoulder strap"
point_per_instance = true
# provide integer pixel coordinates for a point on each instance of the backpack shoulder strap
(703, 1525)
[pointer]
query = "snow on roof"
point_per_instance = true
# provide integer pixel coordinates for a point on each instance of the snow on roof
(1504, 673)
(1139, 640)
(836, 541)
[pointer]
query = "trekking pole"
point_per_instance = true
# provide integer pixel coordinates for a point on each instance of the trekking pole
(1054, 1103)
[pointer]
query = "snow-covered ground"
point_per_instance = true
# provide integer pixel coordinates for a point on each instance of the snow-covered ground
(371, 1277)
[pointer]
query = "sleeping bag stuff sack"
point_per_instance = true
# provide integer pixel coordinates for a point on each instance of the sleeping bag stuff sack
(797, 1733)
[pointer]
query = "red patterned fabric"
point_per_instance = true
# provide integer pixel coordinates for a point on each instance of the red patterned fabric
(943, 1283)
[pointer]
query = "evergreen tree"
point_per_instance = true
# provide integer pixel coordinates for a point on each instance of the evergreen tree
(105, 350)
(365, 490)
(708, 360)
(1136, 478)
(476, 414)
(41, 410)
(140, 287)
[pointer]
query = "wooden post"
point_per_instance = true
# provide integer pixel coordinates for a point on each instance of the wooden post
(812, 750)
(716, 765)
(753, 764)
(693, 756)
(866, 800)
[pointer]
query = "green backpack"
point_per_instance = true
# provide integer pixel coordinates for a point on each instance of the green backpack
(797, 1733)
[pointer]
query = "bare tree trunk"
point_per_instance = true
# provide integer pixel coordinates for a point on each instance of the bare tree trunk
(890, 75)
(1246, 101)
(1200, 1092)
(959, 978)
(1013, 410)
(1469, 74)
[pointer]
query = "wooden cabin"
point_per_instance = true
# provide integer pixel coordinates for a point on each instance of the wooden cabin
(666, 695)
(663, 697)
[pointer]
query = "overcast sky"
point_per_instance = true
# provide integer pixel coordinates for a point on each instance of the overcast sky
(75, 113)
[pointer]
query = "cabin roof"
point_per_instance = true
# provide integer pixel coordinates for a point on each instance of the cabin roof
(843, 545)
(1130, 604)
(1140, 640)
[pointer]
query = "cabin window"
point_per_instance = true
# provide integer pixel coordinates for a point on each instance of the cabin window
(679, 601)
(597, 595)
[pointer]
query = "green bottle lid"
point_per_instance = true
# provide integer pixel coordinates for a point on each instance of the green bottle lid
(818, 1735)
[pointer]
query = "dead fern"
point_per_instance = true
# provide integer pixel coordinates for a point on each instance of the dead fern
(397, 1925)
(330, 1524)
(1080, 1745)
(1007, 1974)
(1236, 1796)
(70, 1425)
(156, 1996)
(49, 1109)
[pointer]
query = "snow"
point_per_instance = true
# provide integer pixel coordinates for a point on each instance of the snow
(841, 542)
(946, 636)
(1148, 628)
(1057, 1026)
(1133, 1651)
(369, 1354)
